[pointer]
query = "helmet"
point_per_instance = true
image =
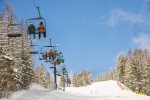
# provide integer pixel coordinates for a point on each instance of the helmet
(41, 23)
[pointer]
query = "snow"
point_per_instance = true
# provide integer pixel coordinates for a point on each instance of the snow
(15, 95)
(35, 86)
(7, 57)
(104, 88)
(107, 90)
(15, 70)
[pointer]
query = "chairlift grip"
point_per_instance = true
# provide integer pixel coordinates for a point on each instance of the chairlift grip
(38, 8)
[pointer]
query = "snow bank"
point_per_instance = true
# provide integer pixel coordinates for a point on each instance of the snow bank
(18, 94)
(15, 95)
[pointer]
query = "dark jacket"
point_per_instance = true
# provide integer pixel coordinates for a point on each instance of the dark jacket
(31, 29)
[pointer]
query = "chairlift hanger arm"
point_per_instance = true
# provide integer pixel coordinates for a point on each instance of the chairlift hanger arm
(14, 24)
(34, 45)
(14, 35)
(38, 18)
(38, 8)
(50, 41)
(50, 46)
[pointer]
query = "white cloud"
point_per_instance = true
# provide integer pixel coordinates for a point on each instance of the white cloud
(146, 1)
(118, 16)
(142, 41)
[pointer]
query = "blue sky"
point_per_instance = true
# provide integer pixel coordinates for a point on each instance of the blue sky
(91, 33)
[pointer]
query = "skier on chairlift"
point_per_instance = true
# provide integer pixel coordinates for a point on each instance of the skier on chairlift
(60, 54)
(41, 29)
(62, 60)
(31, 29)
(69, 82)
(55, 53)
(44, 55)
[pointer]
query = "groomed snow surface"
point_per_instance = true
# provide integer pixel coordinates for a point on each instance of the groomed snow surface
(106, 90)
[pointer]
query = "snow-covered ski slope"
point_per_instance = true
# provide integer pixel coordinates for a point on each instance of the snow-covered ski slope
(107, 90)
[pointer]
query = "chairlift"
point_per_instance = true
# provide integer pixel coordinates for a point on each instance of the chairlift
(36, 20)
(44, 53)
(66, 73)
(65, 70)
(35, 49)
(60, 58)
(58, 73)
(13, 30)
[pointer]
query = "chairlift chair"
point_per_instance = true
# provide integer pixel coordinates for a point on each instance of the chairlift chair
(66, 73)
(36, 19)
(44, 50)
(14, 30)
(43, 54)
(35, 49)
(58, 73)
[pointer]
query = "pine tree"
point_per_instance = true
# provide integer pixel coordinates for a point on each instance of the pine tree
(134, 71)
(14, 50)
(146, 80)
(108, 75)
(86, 78)
(76, 80)
(130, 71)
(42, 77)
(82, 79)
(49, 80)
(26, 58)
(120, 70)
(7, 72)
(7, 77)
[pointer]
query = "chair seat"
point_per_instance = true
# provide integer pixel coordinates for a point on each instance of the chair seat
(34, 52)
(14, 35)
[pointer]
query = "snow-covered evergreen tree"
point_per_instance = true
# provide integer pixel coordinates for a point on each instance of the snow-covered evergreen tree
(76, 80)
(82, 79)
(16, 50)
(120, 69)
(86, 77)
(7, 76)
(136, 71)
(108, 75)
(49, 80)
(146, 79)
(42, 77)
